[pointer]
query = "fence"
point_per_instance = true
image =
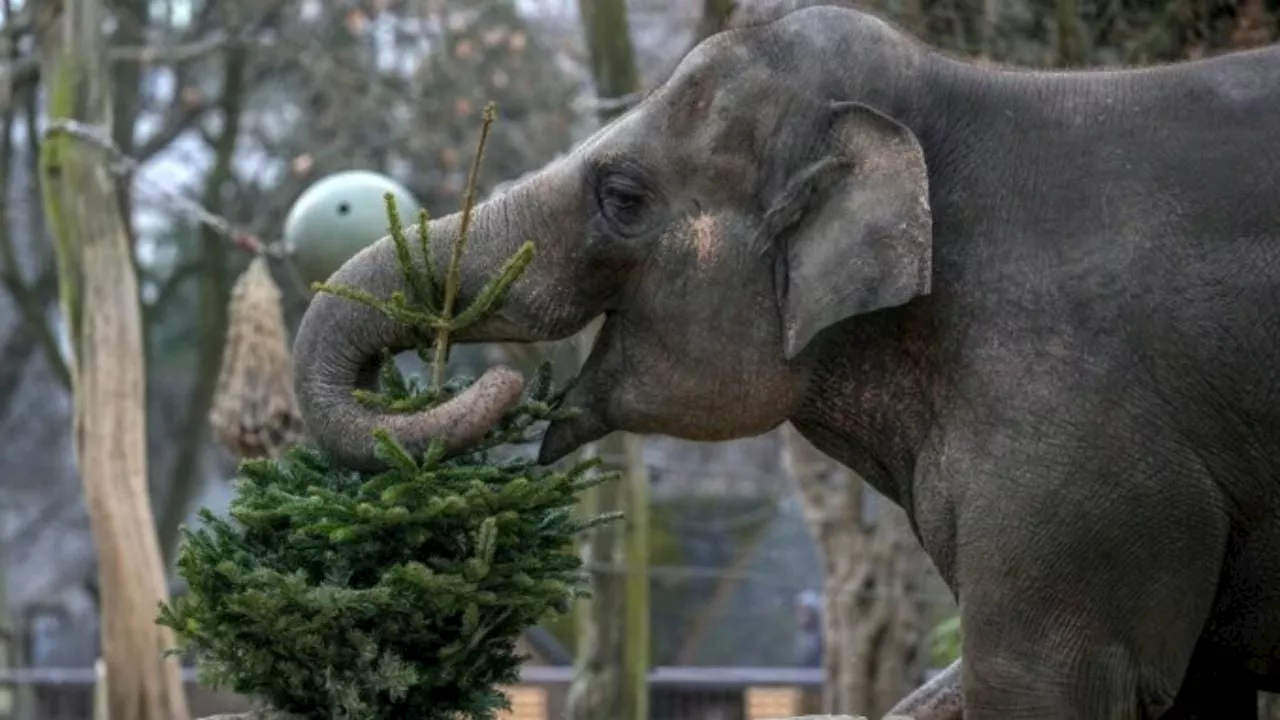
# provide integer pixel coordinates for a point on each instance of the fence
(676, 693)
(683, 693)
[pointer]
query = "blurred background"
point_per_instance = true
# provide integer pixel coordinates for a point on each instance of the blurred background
(240, 105)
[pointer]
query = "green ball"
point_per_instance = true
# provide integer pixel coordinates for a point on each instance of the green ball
(340, 215)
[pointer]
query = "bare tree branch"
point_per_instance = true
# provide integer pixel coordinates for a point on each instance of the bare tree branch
(169, 287)
(22, 70)
(170, 54)
(30, 307)
(181, 114)
(24, 342)
(54, 504)
(184, 481)
(126, 102)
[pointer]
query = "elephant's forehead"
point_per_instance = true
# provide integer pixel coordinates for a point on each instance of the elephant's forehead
(712, 74)
(639, 132)
(614, 135)
(700, 87)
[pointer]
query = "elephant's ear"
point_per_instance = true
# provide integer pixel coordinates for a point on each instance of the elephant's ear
(854, 228)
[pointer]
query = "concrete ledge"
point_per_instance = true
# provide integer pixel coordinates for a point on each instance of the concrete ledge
(265, 715)
(253, 715)
(843, 717)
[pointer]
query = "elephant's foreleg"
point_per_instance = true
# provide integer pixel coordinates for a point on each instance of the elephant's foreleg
(939, 699)
(1085, 591)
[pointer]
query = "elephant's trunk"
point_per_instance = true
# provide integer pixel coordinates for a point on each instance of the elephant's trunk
(340, 343)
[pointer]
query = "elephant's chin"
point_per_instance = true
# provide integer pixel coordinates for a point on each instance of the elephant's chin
(587, 424)
(589, 396)
(564, 436)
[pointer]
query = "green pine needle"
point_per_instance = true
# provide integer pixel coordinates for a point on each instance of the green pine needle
(348, 596)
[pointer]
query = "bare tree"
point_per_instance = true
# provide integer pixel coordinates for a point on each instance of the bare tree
(872, 610)
(100, 302)
(613, 637)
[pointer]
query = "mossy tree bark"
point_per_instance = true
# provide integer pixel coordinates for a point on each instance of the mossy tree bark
(612, 56)
(1268, 706)
(715, 17)
(1069, 38)
(598, 680)
(612, 659)
(872, 613)
(613, 627)
(100, 304)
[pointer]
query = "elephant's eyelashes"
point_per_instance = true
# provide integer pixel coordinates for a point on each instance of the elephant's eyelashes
(622, 202)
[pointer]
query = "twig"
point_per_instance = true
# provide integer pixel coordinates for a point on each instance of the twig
(23, 69)
(453, 274)
(622, 102)
(123, 164)
(178, 118)
(183, 52)
(31, 300)
(28, 337)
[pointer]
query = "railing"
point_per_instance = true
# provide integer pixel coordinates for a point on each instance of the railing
(676, 693)
(530, 674)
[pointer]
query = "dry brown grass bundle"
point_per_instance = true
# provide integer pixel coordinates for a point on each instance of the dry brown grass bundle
(255, 412)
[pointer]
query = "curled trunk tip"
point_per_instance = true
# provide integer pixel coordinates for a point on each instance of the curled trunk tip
(460, 422)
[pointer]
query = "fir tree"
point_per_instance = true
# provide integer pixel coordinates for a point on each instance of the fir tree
(328, 593)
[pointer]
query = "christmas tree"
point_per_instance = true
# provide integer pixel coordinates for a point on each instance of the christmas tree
(328, 593)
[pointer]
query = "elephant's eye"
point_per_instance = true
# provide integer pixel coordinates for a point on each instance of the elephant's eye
(621, 201)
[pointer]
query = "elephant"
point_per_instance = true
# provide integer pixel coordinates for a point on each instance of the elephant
(1038, 310)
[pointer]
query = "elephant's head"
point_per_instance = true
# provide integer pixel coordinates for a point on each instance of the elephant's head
(745, 205)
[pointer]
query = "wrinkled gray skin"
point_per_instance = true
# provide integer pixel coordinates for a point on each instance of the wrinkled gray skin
(1041, 311)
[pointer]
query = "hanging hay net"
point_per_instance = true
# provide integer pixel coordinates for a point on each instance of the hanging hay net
(255, 412)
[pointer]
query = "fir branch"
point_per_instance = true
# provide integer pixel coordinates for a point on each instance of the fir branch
(493, 291)
(330, 593)
(397, 308)
(419, 283)
(452, 278)
(424, 246)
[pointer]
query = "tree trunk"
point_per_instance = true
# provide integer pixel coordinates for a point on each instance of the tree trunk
(1069, 38)
(715, 17)
(872, 609)
(1268, 706)
(988, 29)
(100, 304)
(613, 62)
(612, 665)
(611, 678)
(596, 690)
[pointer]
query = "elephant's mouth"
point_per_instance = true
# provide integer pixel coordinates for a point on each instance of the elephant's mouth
(564, 436)
(500, 328)
(589, 396)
